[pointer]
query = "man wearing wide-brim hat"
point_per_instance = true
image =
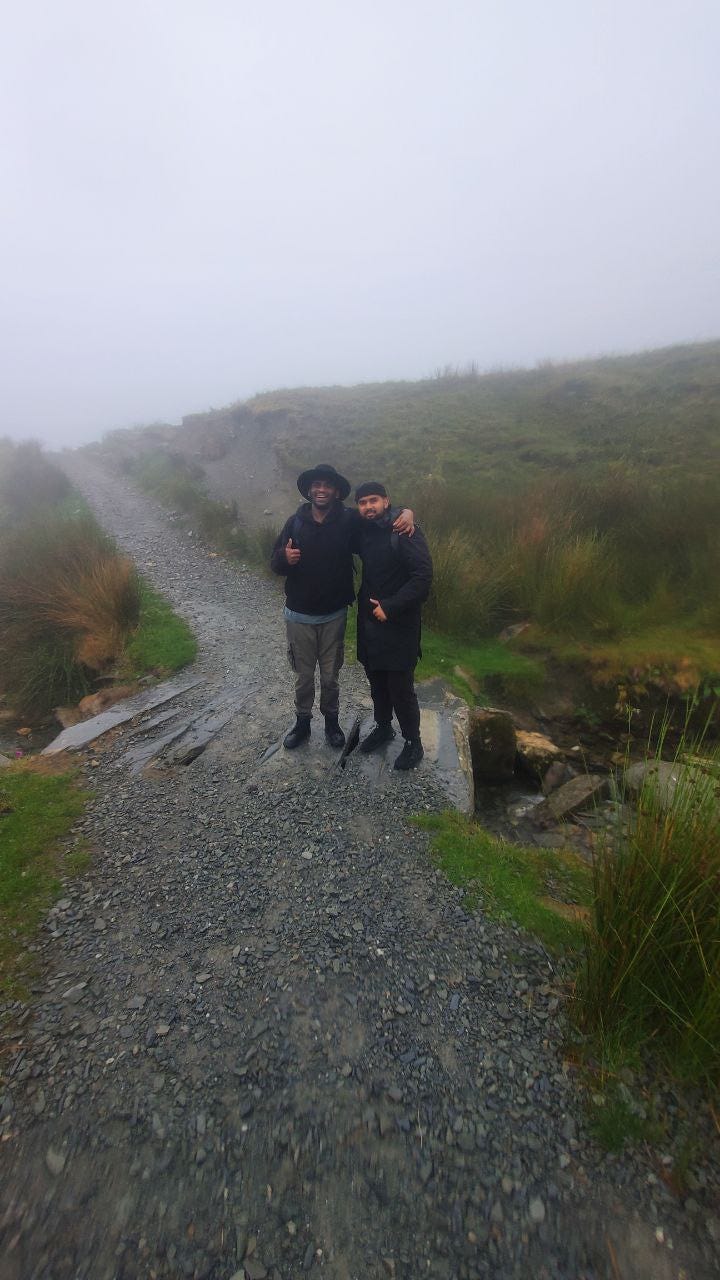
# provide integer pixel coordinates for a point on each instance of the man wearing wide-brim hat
(313, 552)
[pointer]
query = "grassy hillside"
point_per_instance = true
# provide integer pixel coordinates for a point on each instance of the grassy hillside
(659, 411)
(582, 499)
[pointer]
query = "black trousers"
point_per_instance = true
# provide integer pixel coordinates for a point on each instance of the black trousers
(395, 691)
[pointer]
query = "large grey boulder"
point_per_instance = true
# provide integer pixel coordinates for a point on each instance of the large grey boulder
(663, 777)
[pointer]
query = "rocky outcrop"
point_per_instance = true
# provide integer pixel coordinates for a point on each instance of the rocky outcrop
(493, 744)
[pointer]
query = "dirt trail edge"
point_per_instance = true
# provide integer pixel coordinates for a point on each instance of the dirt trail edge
(269, 1041)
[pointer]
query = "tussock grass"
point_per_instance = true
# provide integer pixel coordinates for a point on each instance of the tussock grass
(67, 605)
(610, 558)
(470, 591)
(70, 605)
(651, 975)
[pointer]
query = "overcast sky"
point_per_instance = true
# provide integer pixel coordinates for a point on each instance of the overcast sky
(202, 199)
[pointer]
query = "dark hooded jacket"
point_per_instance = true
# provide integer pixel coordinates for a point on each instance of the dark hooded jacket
(398, 573)
(322, 581)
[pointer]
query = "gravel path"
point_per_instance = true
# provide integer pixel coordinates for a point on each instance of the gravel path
(269, 1041)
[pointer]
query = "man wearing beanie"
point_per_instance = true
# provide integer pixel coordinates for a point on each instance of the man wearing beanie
(397, 575)
(314, 554)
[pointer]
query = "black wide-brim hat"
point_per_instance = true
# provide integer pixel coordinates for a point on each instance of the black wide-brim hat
(323, 471)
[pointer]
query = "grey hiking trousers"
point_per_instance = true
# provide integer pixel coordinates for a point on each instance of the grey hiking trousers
(311, 645)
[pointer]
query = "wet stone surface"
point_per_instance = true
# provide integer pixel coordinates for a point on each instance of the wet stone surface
(269, 1041)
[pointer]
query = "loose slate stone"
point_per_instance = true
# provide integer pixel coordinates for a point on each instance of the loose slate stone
(75, 993)
(570, 797)
(55, 1161)
(536, 1210)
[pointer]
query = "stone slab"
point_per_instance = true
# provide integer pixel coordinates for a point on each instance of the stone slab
(444, 726)
(80, 735)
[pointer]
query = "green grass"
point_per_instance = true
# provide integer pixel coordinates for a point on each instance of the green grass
(513, 883)
(650, 980)
(36, 812)
(617, 1119)
(163, 641)
(669, 658)
(488, 661)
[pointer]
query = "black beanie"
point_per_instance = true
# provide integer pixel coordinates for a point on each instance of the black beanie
(370, 488)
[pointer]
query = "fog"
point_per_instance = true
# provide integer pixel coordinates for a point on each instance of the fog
(202, 201)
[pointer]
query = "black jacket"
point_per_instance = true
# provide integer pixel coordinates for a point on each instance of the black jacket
(398, 573)
(322, 581)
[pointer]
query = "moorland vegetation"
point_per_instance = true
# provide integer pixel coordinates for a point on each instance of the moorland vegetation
(72, 608)
(582, 501)
(582, 498)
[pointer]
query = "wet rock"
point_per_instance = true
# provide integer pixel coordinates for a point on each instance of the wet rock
(55, 1161)
(535, 753)
(558, 773)
(493, 744)
(662, 778)
(571, 796)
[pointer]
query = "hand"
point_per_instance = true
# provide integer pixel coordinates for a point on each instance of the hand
(405, 522)
(378, 611)
(292, 554)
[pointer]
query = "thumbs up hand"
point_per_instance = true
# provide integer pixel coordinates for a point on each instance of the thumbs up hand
(292, 554)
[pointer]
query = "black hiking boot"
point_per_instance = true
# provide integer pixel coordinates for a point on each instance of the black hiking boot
(411, 754)
(299, 732)
(333, 732)
(381, 734)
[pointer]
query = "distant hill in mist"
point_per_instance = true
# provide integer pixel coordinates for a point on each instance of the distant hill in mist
(658, 411)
